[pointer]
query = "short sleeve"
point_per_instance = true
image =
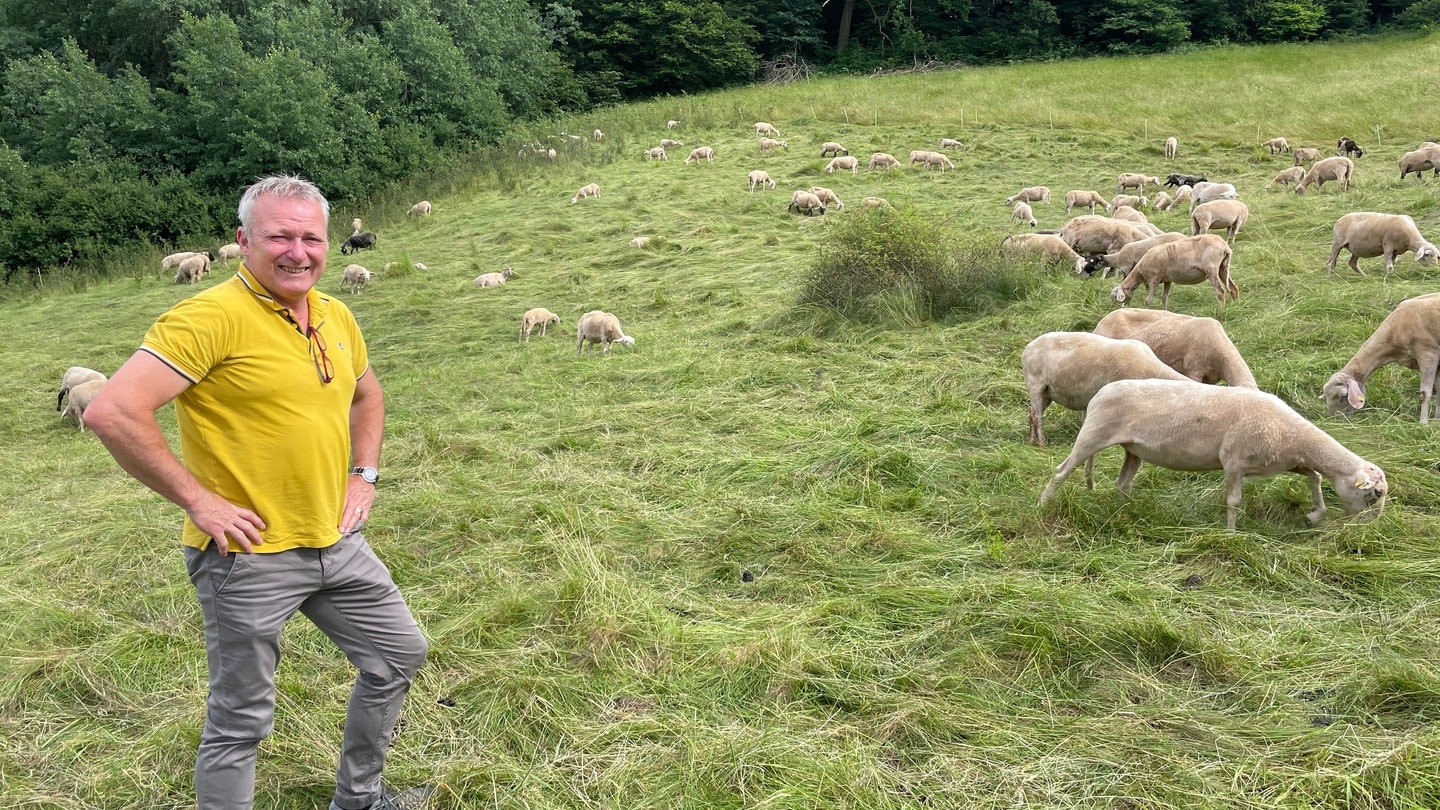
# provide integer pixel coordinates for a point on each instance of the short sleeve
(192, 337)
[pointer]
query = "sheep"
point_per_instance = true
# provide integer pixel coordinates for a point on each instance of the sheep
(1204, 192)
(1172, 145)
(1128, 214)
(760, 177)
(804, 202)
(666, 143)
(174, 259)
(587, 190)
(191, 270)
(884, 160)
(928, 159)
(355, 225)
(1069, 367)
(1217, 214)
(1181, 425)
(831, 149)
(358, 241)
(1162, 201)
(599, 327)
(1088, 198)
(770, 145)
(548, 154)
(1305, 154)
(1177, 180)
(80, 398)
(1409, 336)
(843, 162)
(1277, 145)
(828, 197)
(1184, 194)
(73, 376)
(1131, 200)
(1288, 177)
(419, 209)
(1091, 234)
(1022, 213)
(539, 316)
(354, 277)
(1345, 146)
(671, 124)
(762, 128)
(639, 241)
(1417, 161)
(1123, 259)
(1135, 181)
(657, 153)
(949, 143)
(494, 279)
(1048, 245)
(228, 252)
(1332, 168)
(1367, 234)
(875, 202)
(700, 153)
(1195, 347)
(1040, 194)
(1184, 261)
(597, 136)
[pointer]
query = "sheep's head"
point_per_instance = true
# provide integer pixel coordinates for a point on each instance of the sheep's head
(1088, 266)
(1119, 294)
(1368, 488)
(507, 273)
(1343, 394)
(1427, 254)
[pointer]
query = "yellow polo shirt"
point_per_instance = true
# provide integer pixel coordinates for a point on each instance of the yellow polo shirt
(258, 426)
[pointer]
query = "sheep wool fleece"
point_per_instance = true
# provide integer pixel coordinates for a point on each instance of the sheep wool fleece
(259, 426)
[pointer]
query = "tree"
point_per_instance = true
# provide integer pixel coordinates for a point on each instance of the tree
(1287, 20)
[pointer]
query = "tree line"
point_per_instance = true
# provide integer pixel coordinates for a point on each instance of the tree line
(136, 122)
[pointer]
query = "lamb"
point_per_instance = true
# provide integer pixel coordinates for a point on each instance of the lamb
(73, 376)
(831, 148)
(1050, 247)
(599, 327)
(1195, 347)
(1217, 214)
(639, 241)
(1162, 201)
(657, 153)
(1177, 180)
(1091, 234)
(1409, 336)
(1069, 367)
(1417, 161)
(1135, 181)
(80, 398)
(843, 162)
(1128, 214)
(1184, 261)
(666, 143)
(1171, 147)
(1345, 146)
(884, 160)
(587, 190)
(1305, 154)
(1277, 145)
(1288, 177)
(539, 316)
(1022, 213)
(804, 202)
(494, 279)
(1367, 234)
(698, 154)
(827, 197)
(358, 241)
(671, 124)
(1184, 194)
(597, 136)
(762, 128)
(1131, 200)
(770, 145)
(1040, 194)
(193, 269)
(759, 177)
(1332, 168)
(419, 209)
(1123, 260)
(354, 278)
(875, 202)
(228, 252)
(1090, 198)
(1185, 426)
(1205, 192)
(355, 225)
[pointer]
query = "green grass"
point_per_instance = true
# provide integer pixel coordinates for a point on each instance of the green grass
(769, 557)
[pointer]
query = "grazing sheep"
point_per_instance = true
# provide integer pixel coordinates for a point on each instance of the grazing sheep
(875, 202)
(358, 241)
(1333, 168)
(1305, 154)
(1184, 261)
(548, 154)
(419, 209)
(1135, 181)
(770, 145)
(1288, 177)
(174, 259)
(949, 143)
(804, 202)
(1048, 245)
(1184, 194)
(599, 327)
(1177, 180)
(1022, 213)
(539, 316)
(1217, 214)
(762, 128)
(657, 153)
(1195, 347)
(72, 377)
(1069, 367)
(355, 277)
(700, 153)
(831, 149)
(843, 162)
(1409, 336)
(1277, 145)
(884, 160)
(639, 241)
(494, 279)
(759, 177)
(1040, 194)
(1367, 234)
(1185, 426)
(1171, 147)
(1088, 198)
(828, 197)
(355, 225)
(587, 190)
(1091, 234)
(1417, 161)
(671, 124)
(597, 136)
(1346, 146)
(666, 143)
(1204, 192)
(1128, 214)
(228, 252)
(191, 270)
(1123, 260)
(929, 159)
(1162, 201)
(1128, 199)
(80, 398)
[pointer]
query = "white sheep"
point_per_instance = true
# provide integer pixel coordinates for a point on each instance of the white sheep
(1288, 177)
(1128, 214)
(875, 202)
(1184, 194)
(1132, 200)
(1409, 336)
(760, 177)
(355, 226)
(656, 153)
(827, 197)
(73, 376)
(1417, 161)
(1040, 194)
(883, 160)
(1195, 347)
(1276, 145)
(831, 149)
(929, 159)
(1135, 181)
(1123, 259)
(1217, 214)
(1069, 367)
(1305, 154)
(228, 253)
(597, 136)
(763, 128)
(1185, 261)
(671, 124)
(949, 143)
(639, 241)
(1367, 234)
(1206, 191)
(1172, 145)
(1162, 201)
(1182, 425)
(1090, 234)
(599, 327)
(192, 269)
(419, 209)
(355, 277)
(842, 163)
(1022, 213)
(1340, 169)
(700, 153)
(1083, 197)
(539, 316)
(174, 259)
(770, 145)
(666, 143)
(805, 202)
(1048, 246)
(494, 279)
(587, 190)
(80, 398)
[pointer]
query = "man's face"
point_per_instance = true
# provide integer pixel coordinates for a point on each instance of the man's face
(285, 246)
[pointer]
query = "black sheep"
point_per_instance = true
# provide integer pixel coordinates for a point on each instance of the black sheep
(1177, 180)
(356, 241)
(1345, 146)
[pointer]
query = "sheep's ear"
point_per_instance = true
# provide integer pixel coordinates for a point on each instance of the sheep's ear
(1354, 395)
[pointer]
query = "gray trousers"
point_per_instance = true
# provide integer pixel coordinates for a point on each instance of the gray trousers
(246, 599)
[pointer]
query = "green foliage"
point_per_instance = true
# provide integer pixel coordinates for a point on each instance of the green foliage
(1287, 20)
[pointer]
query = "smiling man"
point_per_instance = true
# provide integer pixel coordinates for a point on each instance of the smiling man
(280, 420)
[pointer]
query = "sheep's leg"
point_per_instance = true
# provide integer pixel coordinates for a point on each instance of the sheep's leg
(1355, 263)
(1061, 473)
(1233, 480)
(1317, 496)
(1128, 468)
(1038, 404)
(1427, 366)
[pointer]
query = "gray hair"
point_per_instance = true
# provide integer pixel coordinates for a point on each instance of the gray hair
(281, 185)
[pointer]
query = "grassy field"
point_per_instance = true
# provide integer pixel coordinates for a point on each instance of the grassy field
(772, 558)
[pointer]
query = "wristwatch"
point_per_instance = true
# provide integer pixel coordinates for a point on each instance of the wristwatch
(370, 474)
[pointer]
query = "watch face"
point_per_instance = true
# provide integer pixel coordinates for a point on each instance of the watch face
(370, 474)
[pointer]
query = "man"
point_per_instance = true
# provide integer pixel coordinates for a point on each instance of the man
(280, 420)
